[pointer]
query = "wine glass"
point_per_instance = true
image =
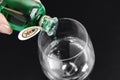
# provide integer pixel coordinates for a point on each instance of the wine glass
(68, 54)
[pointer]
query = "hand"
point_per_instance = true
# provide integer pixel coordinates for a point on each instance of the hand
(4, 25)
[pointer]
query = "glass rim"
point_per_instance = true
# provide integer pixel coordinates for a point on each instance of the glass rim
(86, 41)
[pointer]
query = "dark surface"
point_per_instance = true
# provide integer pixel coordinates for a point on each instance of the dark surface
(19, 59)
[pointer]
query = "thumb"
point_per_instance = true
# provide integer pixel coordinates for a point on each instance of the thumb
(37, 0)
(4, 25)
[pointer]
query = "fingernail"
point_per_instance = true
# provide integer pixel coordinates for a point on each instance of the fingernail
(5, 29)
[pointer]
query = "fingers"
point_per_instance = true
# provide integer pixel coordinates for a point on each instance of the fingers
(37, 0)
(4, 25)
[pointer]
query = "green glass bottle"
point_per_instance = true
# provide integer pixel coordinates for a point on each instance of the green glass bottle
(24, 13)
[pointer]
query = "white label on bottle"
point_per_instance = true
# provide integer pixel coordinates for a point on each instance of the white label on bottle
(29, 32)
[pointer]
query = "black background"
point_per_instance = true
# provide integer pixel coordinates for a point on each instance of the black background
(19, 59)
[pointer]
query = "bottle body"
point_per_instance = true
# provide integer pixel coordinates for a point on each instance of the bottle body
(22, 13)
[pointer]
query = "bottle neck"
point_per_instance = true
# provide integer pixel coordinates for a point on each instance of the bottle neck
(48, 24)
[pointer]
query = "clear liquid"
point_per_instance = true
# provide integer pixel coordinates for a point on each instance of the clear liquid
(67, 59)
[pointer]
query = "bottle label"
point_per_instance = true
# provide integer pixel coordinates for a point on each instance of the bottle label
(29, 32)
